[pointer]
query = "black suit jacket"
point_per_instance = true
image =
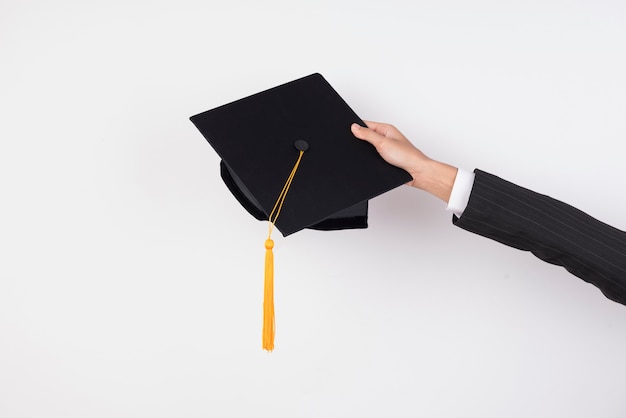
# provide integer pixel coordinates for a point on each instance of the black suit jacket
(552, 230)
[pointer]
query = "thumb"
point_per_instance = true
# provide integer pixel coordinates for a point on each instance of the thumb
(366, 134)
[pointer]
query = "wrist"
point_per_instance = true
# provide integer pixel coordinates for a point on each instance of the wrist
(436, 178)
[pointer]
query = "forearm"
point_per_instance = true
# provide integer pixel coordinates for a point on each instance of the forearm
(552, 230)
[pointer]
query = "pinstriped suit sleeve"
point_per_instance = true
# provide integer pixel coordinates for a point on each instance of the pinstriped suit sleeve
(552, 230)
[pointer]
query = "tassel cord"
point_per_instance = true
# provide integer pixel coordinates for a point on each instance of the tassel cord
(269, 323)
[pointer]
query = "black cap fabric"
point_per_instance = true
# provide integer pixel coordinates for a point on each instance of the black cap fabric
(259, 137)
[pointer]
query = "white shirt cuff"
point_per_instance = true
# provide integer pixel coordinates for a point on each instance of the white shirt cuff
(461, 191)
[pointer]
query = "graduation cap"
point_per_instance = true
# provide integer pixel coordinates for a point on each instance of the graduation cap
(289, 157)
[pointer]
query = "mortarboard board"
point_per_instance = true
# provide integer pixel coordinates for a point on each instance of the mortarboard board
(307, 122)
(256, 136)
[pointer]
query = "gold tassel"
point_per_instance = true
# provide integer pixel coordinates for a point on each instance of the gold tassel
(269, 326)
(269, 323)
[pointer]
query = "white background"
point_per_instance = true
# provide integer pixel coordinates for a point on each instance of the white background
(131, 280)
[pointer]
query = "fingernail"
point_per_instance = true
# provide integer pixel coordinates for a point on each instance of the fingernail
(355, 127)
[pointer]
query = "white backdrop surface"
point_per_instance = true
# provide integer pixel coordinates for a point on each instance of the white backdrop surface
(131, 280)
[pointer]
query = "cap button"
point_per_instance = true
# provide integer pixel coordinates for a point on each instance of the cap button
(301, 145)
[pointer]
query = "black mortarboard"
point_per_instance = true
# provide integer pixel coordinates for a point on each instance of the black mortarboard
(302, 126)
(256, 138)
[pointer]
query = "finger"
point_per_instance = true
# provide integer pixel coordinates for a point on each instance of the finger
(382, 128)
(367, 134)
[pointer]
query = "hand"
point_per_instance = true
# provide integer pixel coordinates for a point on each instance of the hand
(432, 176)
(393, 146)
